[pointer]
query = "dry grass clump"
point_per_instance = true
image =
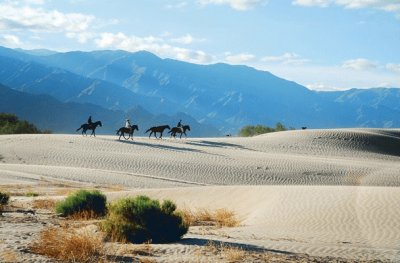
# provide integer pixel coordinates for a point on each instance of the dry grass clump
(227, 252)
(70, 245)
(220, 217)
(8, 256)
(47, 204)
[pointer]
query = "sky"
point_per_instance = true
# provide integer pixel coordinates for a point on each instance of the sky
(321, 44)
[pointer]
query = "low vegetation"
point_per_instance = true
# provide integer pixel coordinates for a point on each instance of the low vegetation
(83, 204)
(68, 244)
(142, 219)
(248, 131)
(47, 204)
(220, 217)
(10, 124)
(4, 198)
(31, 194)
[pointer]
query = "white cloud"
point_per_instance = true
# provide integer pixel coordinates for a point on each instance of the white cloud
(186, 40)
(386, 5)
(239, 58)
(359, 64)
(153, 44)
(321, 3)
(318, 86)
(34, 2)
(240, 5)
(179, 5)
(393, 67)
(10, 40)
(286, 58)
(35, 19)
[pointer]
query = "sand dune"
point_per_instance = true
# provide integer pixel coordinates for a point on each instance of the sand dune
(322, 192)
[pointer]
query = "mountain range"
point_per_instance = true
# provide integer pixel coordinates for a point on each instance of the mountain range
(220, 98)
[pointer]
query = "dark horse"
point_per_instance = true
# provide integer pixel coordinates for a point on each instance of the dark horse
(92, 127)
(129, 131)
(181, 130)
(159, 129)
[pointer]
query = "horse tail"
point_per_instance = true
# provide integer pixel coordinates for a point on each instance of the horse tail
(148, 130)
(118, 132)
(79, 128)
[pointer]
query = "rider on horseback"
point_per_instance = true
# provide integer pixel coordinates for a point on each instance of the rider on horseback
(89, 121)
(128, 124)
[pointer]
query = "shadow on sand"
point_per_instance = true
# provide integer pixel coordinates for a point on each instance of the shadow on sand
(163, 147)
(247, 247)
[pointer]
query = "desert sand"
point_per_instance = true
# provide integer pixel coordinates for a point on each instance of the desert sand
(320, 192)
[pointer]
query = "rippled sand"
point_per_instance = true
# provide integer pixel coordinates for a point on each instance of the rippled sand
(322, 192)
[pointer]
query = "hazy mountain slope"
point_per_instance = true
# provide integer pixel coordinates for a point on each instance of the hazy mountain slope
(49, 113)
(36, 78)
(222, 94)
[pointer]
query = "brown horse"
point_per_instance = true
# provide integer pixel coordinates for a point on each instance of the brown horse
(121, 132)
(92, 127)
(159, 129)
(181, 130)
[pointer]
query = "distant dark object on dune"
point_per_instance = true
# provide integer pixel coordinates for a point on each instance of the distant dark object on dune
(304, 128)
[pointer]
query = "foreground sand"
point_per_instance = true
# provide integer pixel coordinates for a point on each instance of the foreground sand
(321, 192)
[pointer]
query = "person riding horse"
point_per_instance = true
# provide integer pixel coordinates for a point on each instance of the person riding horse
(89, 121)
(127, 124)
(179, 124)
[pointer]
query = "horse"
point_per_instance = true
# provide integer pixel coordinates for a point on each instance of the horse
(92, 127)
(181, 130)
(121, 131)
(159, 129)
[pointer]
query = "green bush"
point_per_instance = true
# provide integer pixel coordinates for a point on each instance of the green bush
(250, 130)
(10, 124)
(4, 197)
(142, 219)
(83, 201)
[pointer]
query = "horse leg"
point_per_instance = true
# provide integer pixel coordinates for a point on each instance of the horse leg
(150, 134)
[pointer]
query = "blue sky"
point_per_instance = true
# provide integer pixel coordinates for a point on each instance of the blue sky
(322, 44)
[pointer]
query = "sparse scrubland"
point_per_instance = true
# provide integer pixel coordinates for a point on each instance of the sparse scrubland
(250, 130)
(10, 124)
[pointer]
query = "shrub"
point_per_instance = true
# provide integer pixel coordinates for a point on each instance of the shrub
(91, 203)
(10, 124)
(70, 245)
(250, 130)
(219, 218)
(4, 197)
(142, 219)
(31, 194)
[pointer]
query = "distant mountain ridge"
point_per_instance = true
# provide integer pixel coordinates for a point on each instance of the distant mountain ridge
(49, 113)
(225, 96)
